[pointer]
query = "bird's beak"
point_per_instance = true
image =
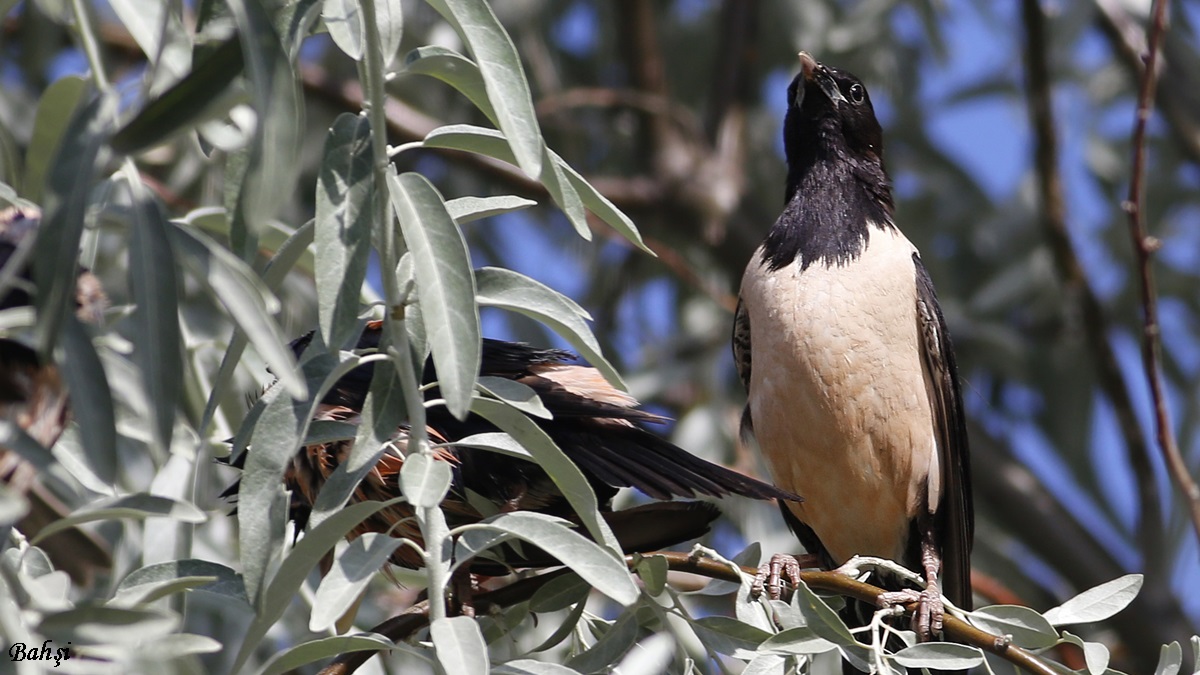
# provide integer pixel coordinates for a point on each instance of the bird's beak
(815, 72)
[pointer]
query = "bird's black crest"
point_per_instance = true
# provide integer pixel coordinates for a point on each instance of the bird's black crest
(837, 187)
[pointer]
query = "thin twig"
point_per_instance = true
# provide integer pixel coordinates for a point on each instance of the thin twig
(1144, 246)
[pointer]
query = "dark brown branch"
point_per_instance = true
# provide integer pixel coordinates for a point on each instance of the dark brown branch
(1144, 246)
(415, 618)
(1054, 223)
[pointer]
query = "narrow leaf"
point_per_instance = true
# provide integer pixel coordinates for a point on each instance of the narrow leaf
(455, 70)
(351, 572)
(459, 646)
(940, 656)
(51, 120)
(389, 15)
(157, 340)
(1170, 659)
(1095, 655)
(516, 292)
(560, 593)
(277, 434)
(569, 479)
(532, 667)
(503, 76)
(343, 226)
(273, 159)
(517, 395)
(567, 188)
(820, 618)
(590, 561)
(186, 103)
(291, 659)
(496, 442)
(147, 593)
(96, 624)
(13, 437)
(91, 400)
(295, 568)
(729, 636)
(226, 582)
(382, 413)
(798, 640)
(68, 189)
(345, 24)
(136, 507)
(611, 646)
(445, 286)
(469, 209)
(1097, 604)
(1027, 628)
(243, 295)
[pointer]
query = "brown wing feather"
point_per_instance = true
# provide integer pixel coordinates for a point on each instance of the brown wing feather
(954, 514)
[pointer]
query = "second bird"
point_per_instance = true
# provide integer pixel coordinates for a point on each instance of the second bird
(853, 390)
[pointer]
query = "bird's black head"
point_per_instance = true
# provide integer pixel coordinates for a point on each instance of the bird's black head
(837, 188)
(829, 117)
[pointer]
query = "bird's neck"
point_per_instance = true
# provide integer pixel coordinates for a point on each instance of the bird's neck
(832, 205)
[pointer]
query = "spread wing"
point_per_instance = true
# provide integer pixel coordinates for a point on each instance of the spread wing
(741, 357)
(953, 513)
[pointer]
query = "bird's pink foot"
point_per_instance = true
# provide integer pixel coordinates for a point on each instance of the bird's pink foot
(773, 573)
(927, 618)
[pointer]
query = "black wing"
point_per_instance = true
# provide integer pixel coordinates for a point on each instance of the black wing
(954, 515)
(742, 359)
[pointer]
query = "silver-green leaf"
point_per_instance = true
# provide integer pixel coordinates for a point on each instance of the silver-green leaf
(506, 289)
(1027, 628)
(343, 226)
(349, 575)
(445, 286)
(503, 76)
(459, 646)
(1097, 604)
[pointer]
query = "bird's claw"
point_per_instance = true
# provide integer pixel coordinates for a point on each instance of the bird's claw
(927, 619)
(772, 573)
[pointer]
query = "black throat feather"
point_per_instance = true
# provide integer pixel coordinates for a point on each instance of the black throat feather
(835, 195)
(832, 205)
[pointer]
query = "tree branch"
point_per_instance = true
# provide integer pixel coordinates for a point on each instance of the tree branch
(1144, 246)
(415, 618)
(1054, 223)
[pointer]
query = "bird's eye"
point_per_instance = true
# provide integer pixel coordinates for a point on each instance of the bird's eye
(857, 93)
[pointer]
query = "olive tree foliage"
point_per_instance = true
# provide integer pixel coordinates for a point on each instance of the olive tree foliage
(234, 171)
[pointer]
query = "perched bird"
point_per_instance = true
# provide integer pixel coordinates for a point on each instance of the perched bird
(853, 390)
(595, 425)
(34, 397)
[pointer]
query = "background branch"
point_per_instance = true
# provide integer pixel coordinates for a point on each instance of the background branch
(1054, 223)
(1144, 246)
